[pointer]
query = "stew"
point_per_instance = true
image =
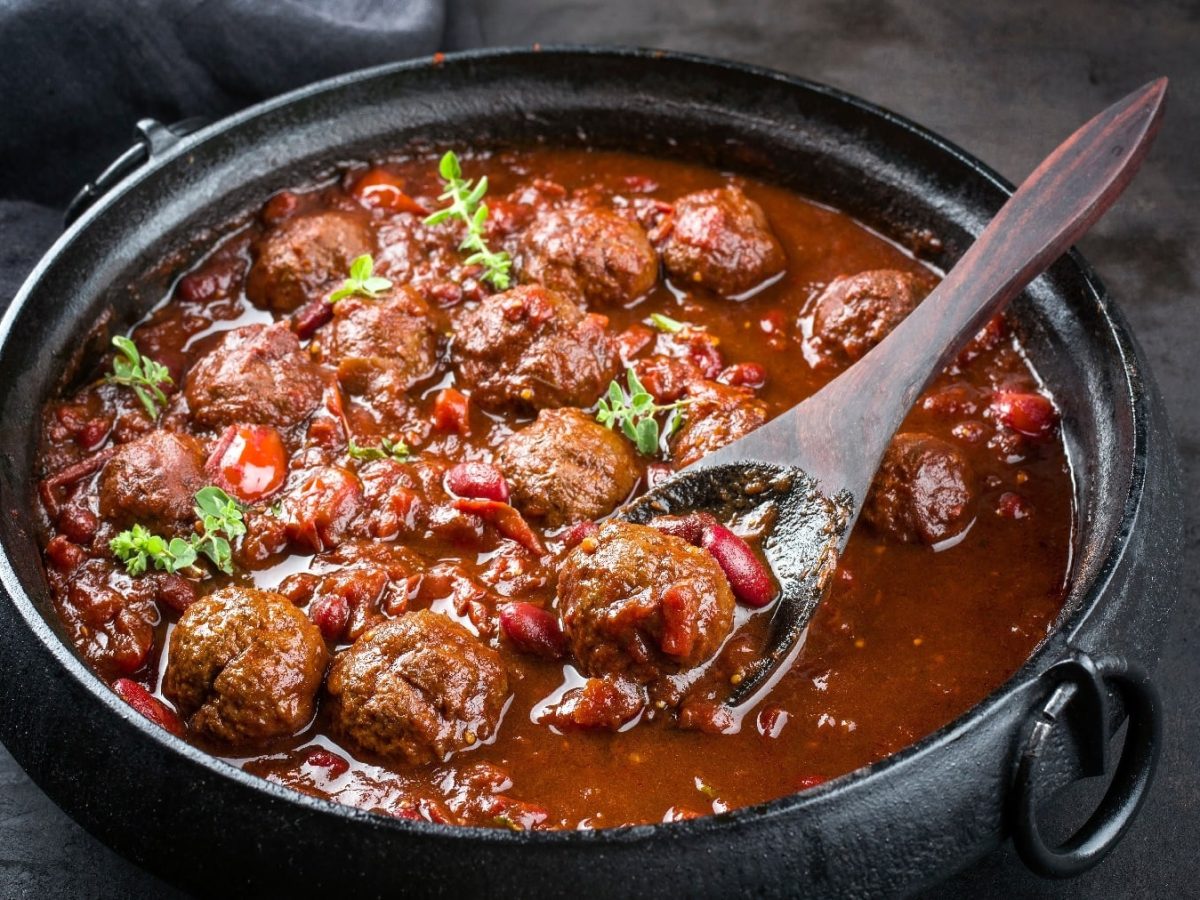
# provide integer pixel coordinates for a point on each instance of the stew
(338, 509)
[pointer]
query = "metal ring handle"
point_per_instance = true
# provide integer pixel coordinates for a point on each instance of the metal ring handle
(1130, 784)
(153, 138)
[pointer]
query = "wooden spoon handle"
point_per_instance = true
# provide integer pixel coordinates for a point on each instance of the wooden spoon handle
(842, 431)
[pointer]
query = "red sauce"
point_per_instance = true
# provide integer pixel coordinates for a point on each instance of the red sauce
(913, 633)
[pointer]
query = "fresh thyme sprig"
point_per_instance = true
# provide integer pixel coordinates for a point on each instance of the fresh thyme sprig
(466, 205)
(387, 449)
(634, 410)
(141, 373)
(221, 521)
(362, 281)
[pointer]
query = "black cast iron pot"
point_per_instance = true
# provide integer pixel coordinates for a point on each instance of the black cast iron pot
(905, 822)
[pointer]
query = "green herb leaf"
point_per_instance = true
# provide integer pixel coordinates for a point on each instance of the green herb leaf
(633, 410)
(466, 206)
(141, 373)
(362, 281)
(387, 449)
(666, 324)
(221, 519)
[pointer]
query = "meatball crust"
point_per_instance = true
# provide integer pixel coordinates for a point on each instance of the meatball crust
(392, 334)
(303, 257)
(256, 375)
(566, 467)
(244, 666)
(589, 253)
(153, 481)
(924, 491)
(856, 312)
(642, 603)
(720, 239)
(417, 688)
(717, 415)
(530, 348)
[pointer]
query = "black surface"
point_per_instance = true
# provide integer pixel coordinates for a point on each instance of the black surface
(1007, 87)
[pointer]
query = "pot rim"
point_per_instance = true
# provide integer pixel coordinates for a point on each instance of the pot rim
(1065, 629)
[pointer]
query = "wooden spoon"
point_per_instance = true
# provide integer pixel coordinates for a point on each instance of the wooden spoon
(809, 469)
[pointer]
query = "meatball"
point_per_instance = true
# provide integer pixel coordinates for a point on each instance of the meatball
(856, 312)
(639, 602)
(302, 258)
(256, 375)
(244, 666)
(923, 491)
(717, 415)
(417, 688)
(589, 253)
(530, 348)
(153, 481)
(566, 467)
(719, 239)
(391, 336)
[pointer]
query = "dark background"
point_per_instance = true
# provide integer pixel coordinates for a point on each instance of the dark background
(1007, 81)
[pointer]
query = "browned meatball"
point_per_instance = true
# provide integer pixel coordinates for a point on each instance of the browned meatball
(244, 666)
(643, 603)
(256, 374)
(566, 467)
(589, 253)
(304, 257)
(720, 239)
(717, 415)
(923, 492)
(417, 688)
(152, 482)
(392, 336)
(856, 312)
(530, 348)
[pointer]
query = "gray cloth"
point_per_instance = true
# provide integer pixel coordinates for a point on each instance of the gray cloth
(75, 75)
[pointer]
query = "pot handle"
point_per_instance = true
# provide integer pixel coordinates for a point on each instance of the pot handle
(153, 138)
(1083, 682)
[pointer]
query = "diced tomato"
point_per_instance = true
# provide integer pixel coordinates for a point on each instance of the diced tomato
(452, 412)
(249, 462)
(680, 605)
(633, 340)
(380, 189)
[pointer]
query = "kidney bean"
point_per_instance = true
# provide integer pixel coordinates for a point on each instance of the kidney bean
(478, 480)
(63, 554)
(771, 720)
(747, 575)
(746, 374)
(249, 462)
(577, 532)
(331, 614)
(311, 316)
(452, 412)
(690, 527)
(78, 523)
(176, 592)
(148, 705)
(93, 432)
(1027, 413)
(533, 630)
